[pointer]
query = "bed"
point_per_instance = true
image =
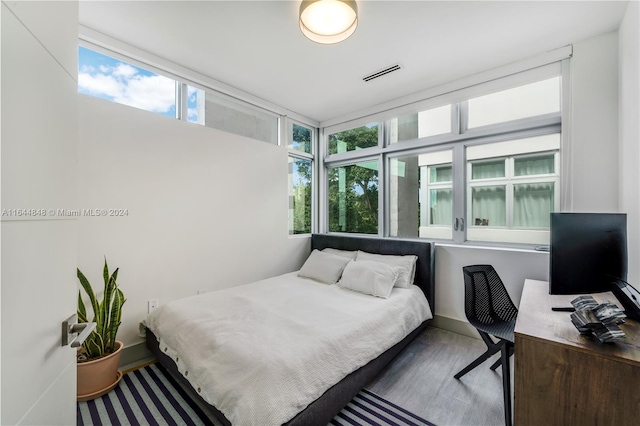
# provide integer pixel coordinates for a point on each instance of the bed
(331, 377)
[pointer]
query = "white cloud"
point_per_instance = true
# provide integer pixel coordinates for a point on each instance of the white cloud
(124, 84)
(124, 70)
(86, 68)
(153, 93)
(100, 85)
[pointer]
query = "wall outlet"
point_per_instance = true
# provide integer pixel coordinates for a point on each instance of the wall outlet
(202, 291)
(152, 304)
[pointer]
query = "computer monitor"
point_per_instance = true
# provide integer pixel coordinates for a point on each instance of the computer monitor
(587, 251)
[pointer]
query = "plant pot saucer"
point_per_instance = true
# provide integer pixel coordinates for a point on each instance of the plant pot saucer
(101, 392)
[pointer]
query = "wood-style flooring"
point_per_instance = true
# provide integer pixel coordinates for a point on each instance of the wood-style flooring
(421, 380)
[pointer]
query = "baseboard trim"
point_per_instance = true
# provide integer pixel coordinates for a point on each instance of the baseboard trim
(135, 356)
(455, 325)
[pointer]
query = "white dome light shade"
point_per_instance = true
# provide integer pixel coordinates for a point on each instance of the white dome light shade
(328, 21)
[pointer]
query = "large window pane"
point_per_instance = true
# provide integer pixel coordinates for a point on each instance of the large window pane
(436, 121)
(353, 198)
(113, 80)
(489, 206)
(301, 138)
(421, 195)
(405, 197)
(299, 195)
(530, 100)
(350, 140)
(533, 204)
(512, 189)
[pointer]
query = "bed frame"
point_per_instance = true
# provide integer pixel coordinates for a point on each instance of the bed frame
(321, 411)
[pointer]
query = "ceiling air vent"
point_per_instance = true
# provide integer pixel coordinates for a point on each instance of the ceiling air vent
(385, 71)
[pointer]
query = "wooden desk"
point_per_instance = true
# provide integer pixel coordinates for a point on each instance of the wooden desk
(564, 378)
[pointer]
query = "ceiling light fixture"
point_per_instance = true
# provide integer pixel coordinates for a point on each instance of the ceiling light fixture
(328, 21)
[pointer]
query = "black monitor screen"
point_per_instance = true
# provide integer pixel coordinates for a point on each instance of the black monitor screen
(587, 249)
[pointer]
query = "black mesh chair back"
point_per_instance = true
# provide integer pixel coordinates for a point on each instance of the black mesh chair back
(488, 306)
(491, 311)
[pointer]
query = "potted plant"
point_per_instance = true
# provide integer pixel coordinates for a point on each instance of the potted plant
(99, 355)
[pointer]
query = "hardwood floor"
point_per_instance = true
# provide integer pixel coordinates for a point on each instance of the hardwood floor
(421, 380)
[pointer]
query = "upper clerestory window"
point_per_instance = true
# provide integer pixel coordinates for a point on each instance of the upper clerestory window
(529, 100)
(354, 139)
(117, 81)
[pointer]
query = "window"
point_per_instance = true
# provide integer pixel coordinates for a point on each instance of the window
(353, 198)
(301, 138)
(485, 168)
(224, 113)
(421, 191)
(117, 81)
(530, 100)
(436, 121)
(512, 189)
(195, 105)
(299, 196)
(354, 139)
(300, 143)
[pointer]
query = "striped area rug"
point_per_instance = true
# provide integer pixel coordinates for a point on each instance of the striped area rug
(150, 396)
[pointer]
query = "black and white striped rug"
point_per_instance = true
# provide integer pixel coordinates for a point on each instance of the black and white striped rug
(149, 396)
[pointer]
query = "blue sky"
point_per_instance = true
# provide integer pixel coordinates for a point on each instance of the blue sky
(117, 81)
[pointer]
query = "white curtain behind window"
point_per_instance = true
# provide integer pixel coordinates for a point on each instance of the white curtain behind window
(441, 207)
(532, 205)
(489, 206)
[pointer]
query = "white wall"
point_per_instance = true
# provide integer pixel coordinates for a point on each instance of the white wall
(593, 174)
(629, 93)
(206, 209)
(513, 266)
(39, 45)
(594, 129)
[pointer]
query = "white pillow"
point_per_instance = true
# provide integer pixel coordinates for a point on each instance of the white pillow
(407, 262)
(343, 253)
(369, 277)
(323, 267)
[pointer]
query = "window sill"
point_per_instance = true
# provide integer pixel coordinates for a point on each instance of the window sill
(483, 246)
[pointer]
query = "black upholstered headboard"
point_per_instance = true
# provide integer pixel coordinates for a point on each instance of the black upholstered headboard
(422, 249)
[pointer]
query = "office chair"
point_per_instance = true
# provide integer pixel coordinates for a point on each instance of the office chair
(490, 310)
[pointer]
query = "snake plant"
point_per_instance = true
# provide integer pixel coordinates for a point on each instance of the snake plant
(107, 314)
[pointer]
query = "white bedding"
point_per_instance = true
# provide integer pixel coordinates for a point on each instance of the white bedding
(262, 352)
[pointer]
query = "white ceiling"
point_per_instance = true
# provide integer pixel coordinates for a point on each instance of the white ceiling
(257, 46)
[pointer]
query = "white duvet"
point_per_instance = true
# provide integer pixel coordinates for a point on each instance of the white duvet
(262, 352)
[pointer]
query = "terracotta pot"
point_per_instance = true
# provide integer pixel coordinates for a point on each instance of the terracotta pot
(97, 377)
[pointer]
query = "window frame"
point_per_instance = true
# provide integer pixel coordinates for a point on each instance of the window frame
(510, 181)
(310, 156)
(178, 99)
(346, 162)
(458, 140)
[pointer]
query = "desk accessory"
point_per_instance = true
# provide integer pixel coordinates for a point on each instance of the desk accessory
(601, 320)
